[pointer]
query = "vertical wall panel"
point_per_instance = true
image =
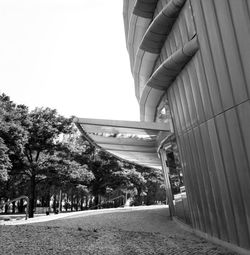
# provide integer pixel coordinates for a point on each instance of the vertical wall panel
(172, 42)
(231, 51)
(177, 37)
(183, 29)
(193, 190)
(210, 193)
(207, 57)
(218, 60)
(174, 111)
(188, 212)
(168, 49)
(232, 178)
(189, 97)
(196, 190)
(243, 173)
(189, 20)
(179, 106)
(222, 223)
(190, 197)
(196, 92)
(244, 118)
(241, 21)
(184, 103)
(199, 182)
(219, 171)
(203, 86)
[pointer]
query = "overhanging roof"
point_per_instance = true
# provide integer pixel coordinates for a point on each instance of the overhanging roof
(133, 141)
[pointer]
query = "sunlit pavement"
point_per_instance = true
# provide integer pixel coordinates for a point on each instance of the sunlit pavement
(144, 230)
(20, 219)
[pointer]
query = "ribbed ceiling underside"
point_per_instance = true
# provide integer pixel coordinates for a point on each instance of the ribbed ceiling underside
(129, 140)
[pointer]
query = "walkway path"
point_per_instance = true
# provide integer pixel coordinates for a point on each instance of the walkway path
(143, 230)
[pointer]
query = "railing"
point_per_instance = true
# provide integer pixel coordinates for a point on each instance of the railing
(16, 199)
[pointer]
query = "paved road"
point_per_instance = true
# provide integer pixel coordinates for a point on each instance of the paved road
(146, 231)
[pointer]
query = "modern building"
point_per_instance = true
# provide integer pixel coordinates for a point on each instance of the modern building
(190, 60)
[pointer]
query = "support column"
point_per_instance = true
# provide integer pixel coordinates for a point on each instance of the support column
(165, 169)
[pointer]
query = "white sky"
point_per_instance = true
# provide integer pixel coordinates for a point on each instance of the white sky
(69, 55)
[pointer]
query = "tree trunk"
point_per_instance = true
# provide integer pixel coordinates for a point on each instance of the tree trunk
(42, 201)
(20, 206)
(54, 203)
(13, 207)
(86, 202)
(6, 207)
(81, 203)
(60, 200)
(90, 201)
(32, 196)
(47, 200)
(96, 200)
(72, 201)
(77, 201)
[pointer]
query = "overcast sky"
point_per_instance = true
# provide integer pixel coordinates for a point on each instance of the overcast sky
(69, 55)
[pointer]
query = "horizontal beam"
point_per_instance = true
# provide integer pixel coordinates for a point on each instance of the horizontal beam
(124, 124)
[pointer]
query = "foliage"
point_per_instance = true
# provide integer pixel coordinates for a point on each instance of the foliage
(5, 163)
(42, 155)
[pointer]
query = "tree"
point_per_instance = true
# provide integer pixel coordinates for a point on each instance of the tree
(66, 171)
(13, 119)
(154, 188)
(31, 139)
(5, 163)
(41, 156)
(43, 140)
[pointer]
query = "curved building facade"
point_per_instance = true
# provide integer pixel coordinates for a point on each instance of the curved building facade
(190, 61)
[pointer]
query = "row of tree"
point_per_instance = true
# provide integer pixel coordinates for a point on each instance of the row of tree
(42, 156)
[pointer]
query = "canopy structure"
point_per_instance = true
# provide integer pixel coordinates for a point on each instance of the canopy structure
(133, 141)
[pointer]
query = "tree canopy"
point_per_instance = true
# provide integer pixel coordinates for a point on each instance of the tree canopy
(42, 155)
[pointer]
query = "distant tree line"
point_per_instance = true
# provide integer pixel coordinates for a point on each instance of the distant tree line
(43, 157)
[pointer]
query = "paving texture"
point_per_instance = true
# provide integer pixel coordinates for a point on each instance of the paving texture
(121, 232)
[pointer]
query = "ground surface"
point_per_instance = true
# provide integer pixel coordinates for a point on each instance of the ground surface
(121, 232)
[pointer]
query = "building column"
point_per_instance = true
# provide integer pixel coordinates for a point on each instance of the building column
(165, 169)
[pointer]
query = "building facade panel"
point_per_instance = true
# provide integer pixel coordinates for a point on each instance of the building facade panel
(232, 56)
(199, 182)
(241, 20)
(203, 86)
(206, 57)
(190, 185)
(230, 170)
(210, 199)
(199, 106)
(227, 199)
(189, 96)
(244, 118)
(220, 203)
(210, 107)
